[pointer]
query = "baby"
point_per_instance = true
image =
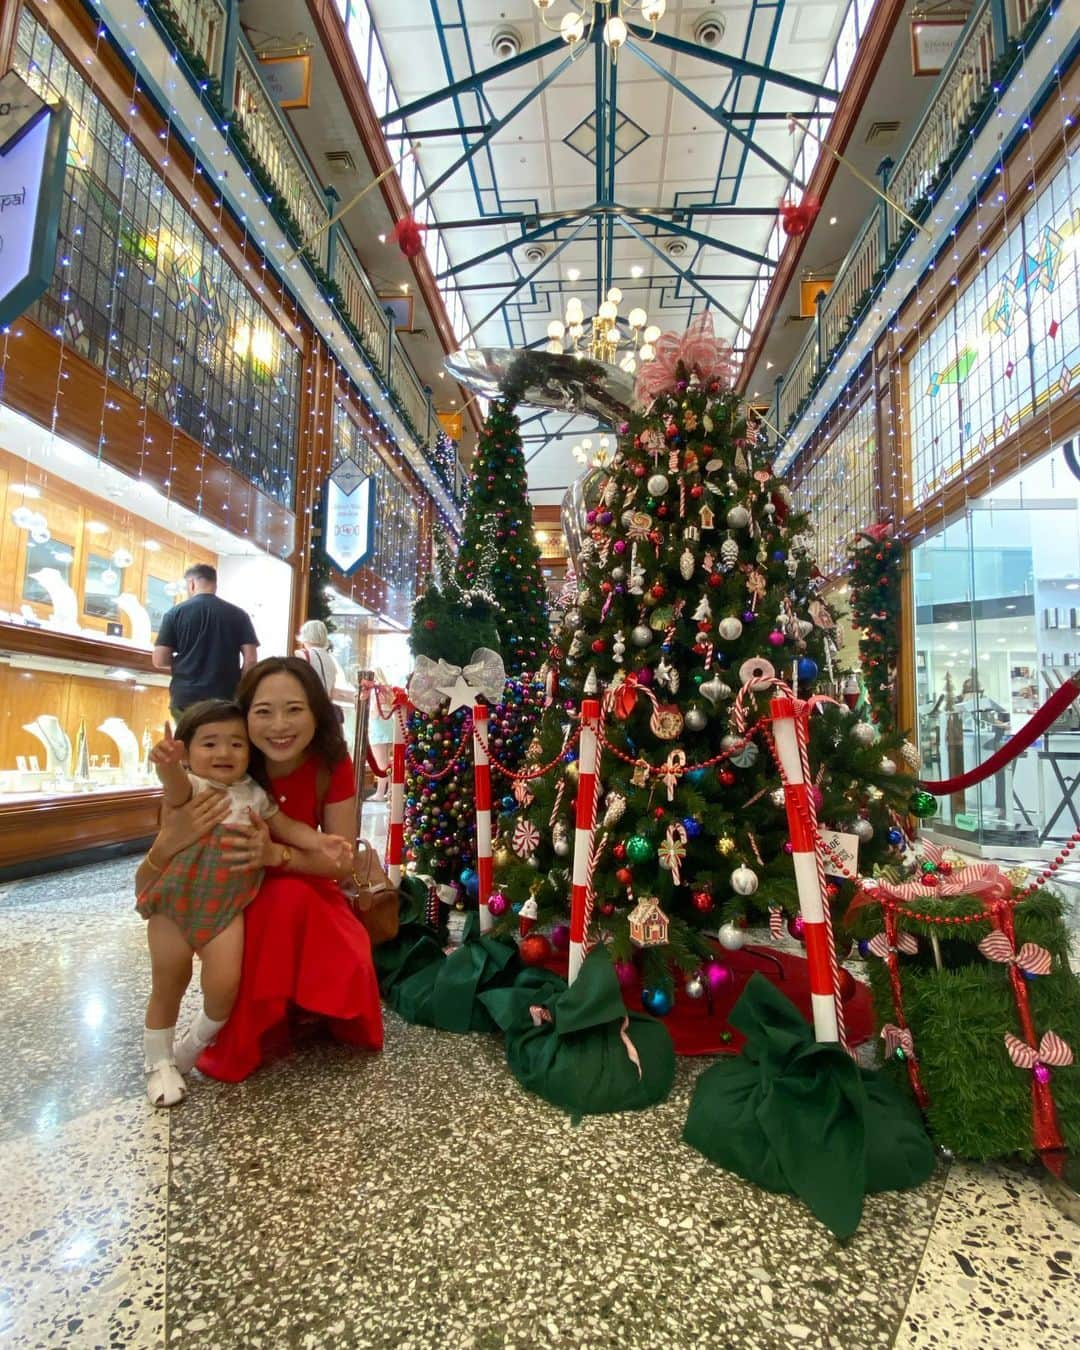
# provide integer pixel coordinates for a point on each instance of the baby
(196, 902)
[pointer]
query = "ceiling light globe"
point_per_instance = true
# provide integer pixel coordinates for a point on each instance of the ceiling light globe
(646, 352)
(586, 444)
(555, 347)
(572, 27)
(556, 328)
(628, 364)
(651, 333)
(637, 318)
(574, 311)
(615, 32)
(615, 295)
(652, 11)
(541, 5)
(607, 312)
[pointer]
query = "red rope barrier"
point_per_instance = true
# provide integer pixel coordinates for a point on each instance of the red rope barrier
(1051, 710)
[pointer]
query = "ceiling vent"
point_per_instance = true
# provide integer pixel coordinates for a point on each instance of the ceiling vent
(342, 160)
(709, 30)
(882, 134)
(535, 253)
(506, 42)
(676, 248)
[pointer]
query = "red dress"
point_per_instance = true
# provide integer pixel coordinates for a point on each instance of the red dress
(302, 945)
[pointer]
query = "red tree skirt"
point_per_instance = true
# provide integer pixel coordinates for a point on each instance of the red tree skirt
(698, 1029)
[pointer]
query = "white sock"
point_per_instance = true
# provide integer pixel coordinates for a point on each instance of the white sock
(198, 1035)
(157, 1045)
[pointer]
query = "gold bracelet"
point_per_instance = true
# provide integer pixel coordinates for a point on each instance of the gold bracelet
(150, 859)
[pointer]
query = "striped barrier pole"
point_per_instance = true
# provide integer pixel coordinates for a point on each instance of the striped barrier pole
(789, 732)
(482, 775)
(584, 820)
(395, 838)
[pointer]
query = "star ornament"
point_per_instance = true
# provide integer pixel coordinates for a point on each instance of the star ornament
(459, 693)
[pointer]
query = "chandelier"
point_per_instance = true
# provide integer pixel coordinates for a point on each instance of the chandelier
(574, 26)
(597, 458)
(601, 337)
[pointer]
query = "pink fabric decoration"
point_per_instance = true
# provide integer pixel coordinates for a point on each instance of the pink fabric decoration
(697, 350)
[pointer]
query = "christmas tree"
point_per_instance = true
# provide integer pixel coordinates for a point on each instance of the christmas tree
(498, 514)
(695, 574)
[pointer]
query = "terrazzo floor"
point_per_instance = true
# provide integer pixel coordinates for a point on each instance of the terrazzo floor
(421, 1199)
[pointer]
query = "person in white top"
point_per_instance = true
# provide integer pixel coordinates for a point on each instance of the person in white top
(315, 649)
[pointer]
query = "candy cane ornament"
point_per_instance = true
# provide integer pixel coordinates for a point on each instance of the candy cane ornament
(482, 777)
(584, 820)
(789, 737)
(395, 838)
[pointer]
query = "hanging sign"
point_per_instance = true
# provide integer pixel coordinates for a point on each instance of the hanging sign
(288, 78)
(33, 151)
(932, 42)
(349, 534)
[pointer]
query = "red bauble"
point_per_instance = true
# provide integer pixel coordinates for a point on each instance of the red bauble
(715, 580)
(658, 812)
(703, 901)
(726, 777)
(598, 645)
(535, 950)
(607, 909)
(796, 219)
(624, 876)
(619, 850)
(848, 984)
(657, 591)
(406, 234)
(696, 491)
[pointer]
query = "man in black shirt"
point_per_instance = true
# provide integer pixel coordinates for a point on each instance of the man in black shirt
(206, 643)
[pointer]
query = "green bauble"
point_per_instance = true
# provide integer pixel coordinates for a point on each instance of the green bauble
(923, 805)
(639, 849)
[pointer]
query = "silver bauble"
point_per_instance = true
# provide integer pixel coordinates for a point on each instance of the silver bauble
(715, 690)
(744, 881)
(730, 629)
(657, 485)
(776, 796)
(738, 518)
(695, 987)
(640, 635)
(572, 618)
(618, 574)
(561, 847)
(863, 830)
(887, 766)
(864, 732)
(696, 720)
(731, 937)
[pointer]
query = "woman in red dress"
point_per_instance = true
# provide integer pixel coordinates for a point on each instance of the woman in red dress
(303, 946)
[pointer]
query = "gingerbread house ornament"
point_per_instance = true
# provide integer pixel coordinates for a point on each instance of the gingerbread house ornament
(648, 923)
(707, 516)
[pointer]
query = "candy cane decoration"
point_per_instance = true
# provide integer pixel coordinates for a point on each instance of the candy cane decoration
(482, 776)
(585, 817)
(789, 736)
(395, 838)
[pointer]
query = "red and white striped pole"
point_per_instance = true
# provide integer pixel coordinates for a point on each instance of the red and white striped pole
(584, 821)
(395, 838)
(789, 731)
(482, 775)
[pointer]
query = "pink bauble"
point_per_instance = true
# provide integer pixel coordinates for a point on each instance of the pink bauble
(776, 638)
(620, 546)
(789, 847)
(717, 974)
(626, 973)
(560, 937)
(497, 904)
(816, 796)
(1042, 1073)
(644, 675)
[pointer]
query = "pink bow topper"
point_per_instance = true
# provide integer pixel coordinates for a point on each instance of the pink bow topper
(1052, 1051)
(905, 942)
(697, 350)
(1032, 958)
(898, 1038)
(985, 880)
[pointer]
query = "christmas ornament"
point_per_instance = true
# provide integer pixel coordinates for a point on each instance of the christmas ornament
(615, 805)
(776, 638)
(686, 564)
(527, 916)
(703, 902)
(657, 1001)
(648, 923)
(863, 830)
(730, 628)
(694, 987)
(725, 845)
(744, 881)
(666, 721)
(745, 756)
(626, 974)
(639, 849)
(560, 936)
(895, 836)
(865, 733)
(672, 851)
(715, 690)
(560, 836)
(887, 766)
(716, 974)
(910, 756)
(807, 670)
(738, 518)
(534, 950)
(695, 719)
(641, 636)
(731, 937)
(657, 485)
(757, 671)
(729, 554)
(497, 904)
(525, 839)
(923, 805)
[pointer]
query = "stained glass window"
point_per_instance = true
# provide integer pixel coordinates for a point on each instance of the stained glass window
(1008, 346)
(837, 490)
(141, 292)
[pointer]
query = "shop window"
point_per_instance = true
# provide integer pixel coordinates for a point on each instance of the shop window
(997, 630)
(837, 491)
(104, 585)
(53, 555)
(160, 598)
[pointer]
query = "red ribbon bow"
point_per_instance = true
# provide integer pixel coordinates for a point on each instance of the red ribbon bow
(905, 942)
(1052, 1050)
(406, 234)
(1031, 957)
(797, 217)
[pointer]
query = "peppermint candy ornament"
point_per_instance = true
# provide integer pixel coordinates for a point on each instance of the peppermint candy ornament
(526, 839)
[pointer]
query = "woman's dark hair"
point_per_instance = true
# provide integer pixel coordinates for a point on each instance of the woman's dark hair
(328, 743)
(205, 712)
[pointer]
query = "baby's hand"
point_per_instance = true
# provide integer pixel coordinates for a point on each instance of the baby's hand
(337, 848)
(168, 751)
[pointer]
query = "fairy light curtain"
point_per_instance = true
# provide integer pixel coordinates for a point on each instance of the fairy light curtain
(145, 296)
(1008, 347)
(837, 491)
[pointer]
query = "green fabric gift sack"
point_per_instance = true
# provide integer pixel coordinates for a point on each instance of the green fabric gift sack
(576, 1045)
(799, 1117)
(446, 993)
